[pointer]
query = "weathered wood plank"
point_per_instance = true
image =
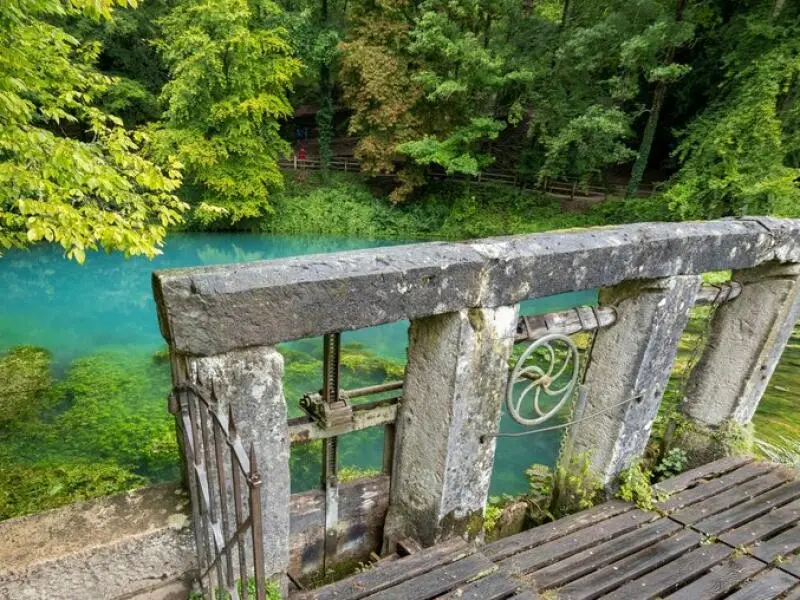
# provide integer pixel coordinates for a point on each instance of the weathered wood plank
(703, 472)
(725, 500)
(793, 594)
(671, 576)
(781, 545)
(438, 581)
(526, 595)
(708, 489)
(559, 549)
(767, 586)
(790, 564)
(596, 557)
(390, 574)
(506, 547)
(740, 514)
(763, 527)
(493, 587)
(721, 580)
(608, 578)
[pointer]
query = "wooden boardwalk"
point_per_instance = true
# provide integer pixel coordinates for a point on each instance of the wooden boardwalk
(729, 529)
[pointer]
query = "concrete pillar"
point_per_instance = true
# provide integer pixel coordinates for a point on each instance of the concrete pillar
(455, 383)
(631, 359)
(249, 383)
(744, 345)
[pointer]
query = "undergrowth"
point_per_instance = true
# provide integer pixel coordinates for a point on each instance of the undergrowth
(346, 205)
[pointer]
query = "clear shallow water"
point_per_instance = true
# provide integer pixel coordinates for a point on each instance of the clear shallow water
(105, 306)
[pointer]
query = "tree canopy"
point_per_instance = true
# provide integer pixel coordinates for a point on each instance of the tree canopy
(70, 172)
(101, 113)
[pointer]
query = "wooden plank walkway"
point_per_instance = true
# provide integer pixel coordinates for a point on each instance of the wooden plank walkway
(729, 529)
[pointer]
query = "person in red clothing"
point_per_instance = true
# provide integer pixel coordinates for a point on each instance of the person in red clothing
(302, 154)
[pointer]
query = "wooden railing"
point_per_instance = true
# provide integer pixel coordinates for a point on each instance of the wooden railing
(573, 190)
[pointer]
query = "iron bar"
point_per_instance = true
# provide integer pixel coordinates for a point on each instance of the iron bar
(188, 448)
(236, 478)
(199, 474)
(223, 505)
(388, 448)
(254, 481)
(369, 390)
(369, 414)
(211, 496)
(330, 459)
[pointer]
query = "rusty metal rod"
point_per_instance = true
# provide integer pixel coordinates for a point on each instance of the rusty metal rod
(590, 318)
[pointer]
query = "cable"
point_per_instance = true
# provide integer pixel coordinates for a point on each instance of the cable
(562, 425)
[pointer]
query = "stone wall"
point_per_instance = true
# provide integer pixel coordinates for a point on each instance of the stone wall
(139, 545)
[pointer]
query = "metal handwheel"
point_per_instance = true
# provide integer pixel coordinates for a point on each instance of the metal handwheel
(556, 354)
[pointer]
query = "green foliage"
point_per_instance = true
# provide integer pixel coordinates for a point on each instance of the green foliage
(540, 491)
(491, 515)
(347, 474)
(578, 488)
(673, 463)
(734, 439)
(103, 428)
(587, 143)
(25, 373)
(634, 486)
(69, 172)
(454, 152)
(345, 206)
(231, 69)
(273, 591)
(734, 155)
(26, 489)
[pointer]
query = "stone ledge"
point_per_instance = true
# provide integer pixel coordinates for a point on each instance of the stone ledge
(133, 545)
(139, 546)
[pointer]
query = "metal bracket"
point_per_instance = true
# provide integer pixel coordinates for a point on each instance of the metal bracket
(328, 415)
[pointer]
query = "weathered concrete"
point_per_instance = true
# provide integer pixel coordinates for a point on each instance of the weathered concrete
(250, 383)
(139, 546)
(206, 311)
(745, 343)
(455, 380)
(632, 359)
(136, 544)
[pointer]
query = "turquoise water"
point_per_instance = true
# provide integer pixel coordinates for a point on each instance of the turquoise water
(105, 306)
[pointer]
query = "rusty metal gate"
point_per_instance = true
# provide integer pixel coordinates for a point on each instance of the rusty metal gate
(226, 510)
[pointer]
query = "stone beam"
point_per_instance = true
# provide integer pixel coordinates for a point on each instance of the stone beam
(745, 343)
(631, 360)
(455, 381)
(210, 310)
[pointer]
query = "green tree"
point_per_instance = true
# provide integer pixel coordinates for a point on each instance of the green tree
(232, 68)
(69, 171)
(739, 155)
(128, 53)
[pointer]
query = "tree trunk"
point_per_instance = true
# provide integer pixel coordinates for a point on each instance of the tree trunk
(564, 15)
(652, 120)
(324, 115)
(647, 140)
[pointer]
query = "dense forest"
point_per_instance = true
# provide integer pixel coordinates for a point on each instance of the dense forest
(118, 121)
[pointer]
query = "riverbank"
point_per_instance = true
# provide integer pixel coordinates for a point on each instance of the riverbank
(344, 204)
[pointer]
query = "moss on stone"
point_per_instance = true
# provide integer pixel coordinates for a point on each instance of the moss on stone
(704, 444)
